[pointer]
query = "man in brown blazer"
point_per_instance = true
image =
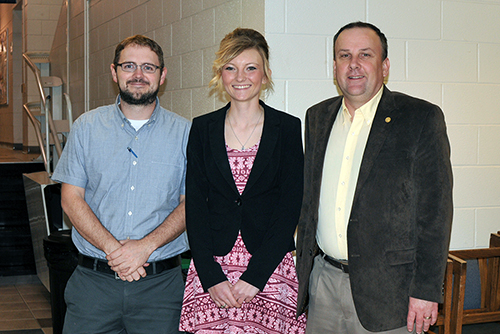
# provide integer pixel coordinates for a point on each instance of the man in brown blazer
(376, 216)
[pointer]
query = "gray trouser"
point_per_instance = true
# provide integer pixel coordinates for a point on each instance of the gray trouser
(99, 303)
(331, 308)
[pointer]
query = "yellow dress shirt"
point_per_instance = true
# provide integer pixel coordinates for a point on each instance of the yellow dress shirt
(343, 157)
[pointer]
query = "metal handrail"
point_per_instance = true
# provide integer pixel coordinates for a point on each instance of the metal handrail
(48, 115)
(36, 71)
(70, 109)
(36, 124)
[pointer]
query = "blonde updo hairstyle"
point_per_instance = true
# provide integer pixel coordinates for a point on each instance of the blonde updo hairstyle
(231, 46)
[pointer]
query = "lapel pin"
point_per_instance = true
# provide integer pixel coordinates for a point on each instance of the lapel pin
(387, 119)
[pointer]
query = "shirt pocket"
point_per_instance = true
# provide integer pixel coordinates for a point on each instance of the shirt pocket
(165, 176)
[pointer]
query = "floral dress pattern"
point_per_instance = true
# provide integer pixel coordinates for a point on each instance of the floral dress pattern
(271, 311)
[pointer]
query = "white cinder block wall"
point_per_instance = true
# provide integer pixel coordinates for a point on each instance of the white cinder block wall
(189, 32)
(446, 52)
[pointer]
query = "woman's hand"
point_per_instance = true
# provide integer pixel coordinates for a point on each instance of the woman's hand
(243, 292)
(222, 295)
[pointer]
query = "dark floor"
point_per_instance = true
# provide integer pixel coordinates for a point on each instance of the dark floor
(489, 328)
(25, 308)
(27, 331)
(492, 328)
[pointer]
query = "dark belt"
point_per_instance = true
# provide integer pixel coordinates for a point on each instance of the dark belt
(103, 267)
(342, 265)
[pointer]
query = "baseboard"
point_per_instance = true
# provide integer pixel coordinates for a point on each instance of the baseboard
(31, 149)
(10, 146)
(25, 279)
(20, 147)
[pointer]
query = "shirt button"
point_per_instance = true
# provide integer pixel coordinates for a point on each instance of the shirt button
(347, 158)
(340, 235)
(134, 163)
(129, 213)
(136, 138)
(338, 209)
(342, 183)
(238, 202)
(132, 188)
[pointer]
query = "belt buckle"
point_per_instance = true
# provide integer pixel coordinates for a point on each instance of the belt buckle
(117, 276)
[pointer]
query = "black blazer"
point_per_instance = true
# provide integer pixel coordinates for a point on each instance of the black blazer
(266, 213)
(400, 222)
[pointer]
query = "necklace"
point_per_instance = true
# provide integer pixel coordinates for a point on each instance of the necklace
(234, 133)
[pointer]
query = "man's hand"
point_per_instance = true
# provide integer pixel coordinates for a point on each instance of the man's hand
(129, 260)
(421, 313)
(135, 276)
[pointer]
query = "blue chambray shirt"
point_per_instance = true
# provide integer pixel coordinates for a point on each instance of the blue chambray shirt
(130, 195)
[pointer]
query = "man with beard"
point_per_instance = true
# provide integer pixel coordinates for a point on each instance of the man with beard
(122, 174)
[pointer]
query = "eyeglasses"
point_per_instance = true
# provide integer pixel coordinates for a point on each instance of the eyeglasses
(146, 68)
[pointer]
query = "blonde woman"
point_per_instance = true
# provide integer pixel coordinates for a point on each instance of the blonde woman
(243, 195)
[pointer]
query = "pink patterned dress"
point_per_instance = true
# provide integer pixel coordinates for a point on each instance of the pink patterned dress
(271, 311)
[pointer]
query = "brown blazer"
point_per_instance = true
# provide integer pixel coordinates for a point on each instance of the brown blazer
(400, 222)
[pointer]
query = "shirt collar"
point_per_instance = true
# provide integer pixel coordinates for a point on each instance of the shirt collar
(122, 116)
(368, 109)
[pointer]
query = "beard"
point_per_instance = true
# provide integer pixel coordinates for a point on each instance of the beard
(138, 99)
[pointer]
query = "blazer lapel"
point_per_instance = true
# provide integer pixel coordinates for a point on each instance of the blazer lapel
(382, 122)
(322, 132)
(268, 141)
(218, 146)
(319, 125)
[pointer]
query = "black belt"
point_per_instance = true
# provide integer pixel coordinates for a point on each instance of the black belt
(342, 265)
(103, 267)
